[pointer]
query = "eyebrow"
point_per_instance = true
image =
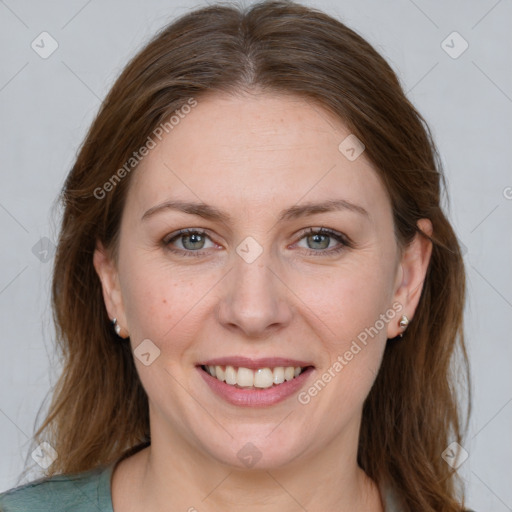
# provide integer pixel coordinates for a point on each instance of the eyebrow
(297, 211)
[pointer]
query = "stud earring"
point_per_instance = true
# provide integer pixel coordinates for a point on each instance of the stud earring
(117, 327)
(403, 323)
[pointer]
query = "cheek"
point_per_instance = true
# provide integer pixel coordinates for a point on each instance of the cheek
(347, 299)
(353, 346)
(162, 302)
(349, 308)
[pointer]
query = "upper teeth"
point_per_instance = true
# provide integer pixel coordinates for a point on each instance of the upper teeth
(247, 378)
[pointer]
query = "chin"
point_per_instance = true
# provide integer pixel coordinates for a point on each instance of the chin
(257, 450)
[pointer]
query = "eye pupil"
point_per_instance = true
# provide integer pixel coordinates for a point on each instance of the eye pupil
(193, 241)
(322, 240)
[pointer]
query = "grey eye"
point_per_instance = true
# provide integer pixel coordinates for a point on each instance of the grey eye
(193, 241)
(318, 241)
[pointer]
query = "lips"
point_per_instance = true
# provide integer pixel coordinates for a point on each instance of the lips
(245, 373)
(254, 364)
(248, 378)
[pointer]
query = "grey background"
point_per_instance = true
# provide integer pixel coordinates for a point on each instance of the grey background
(46, 106)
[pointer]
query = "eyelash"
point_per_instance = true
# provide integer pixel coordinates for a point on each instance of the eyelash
(343, 240)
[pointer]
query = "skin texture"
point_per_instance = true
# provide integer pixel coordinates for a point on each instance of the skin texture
(252, 156)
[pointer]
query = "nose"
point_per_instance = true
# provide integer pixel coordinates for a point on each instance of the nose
(254, 299)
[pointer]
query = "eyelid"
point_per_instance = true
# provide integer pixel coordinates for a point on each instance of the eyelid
(341, 238)
(166, 242)
(324, 231)
(185, 231)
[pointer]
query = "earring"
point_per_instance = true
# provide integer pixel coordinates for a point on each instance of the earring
(117, 327)
(403, 323)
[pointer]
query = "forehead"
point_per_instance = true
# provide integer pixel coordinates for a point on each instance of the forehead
(256, 151)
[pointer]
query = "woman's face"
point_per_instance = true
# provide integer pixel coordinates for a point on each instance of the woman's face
(253, 285)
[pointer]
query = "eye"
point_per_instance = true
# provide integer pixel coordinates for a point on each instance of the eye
(323, 240)
(317, 241)
(188, 240)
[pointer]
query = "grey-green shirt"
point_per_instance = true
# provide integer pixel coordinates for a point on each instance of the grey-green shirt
(83, 492)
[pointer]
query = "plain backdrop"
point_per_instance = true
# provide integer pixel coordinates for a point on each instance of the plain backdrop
(47, 104)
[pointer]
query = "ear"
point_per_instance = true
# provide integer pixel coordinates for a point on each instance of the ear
(411, 274)
(107, 272)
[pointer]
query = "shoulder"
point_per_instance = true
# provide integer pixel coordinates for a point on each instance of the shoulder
(391, 500)
(79, 492)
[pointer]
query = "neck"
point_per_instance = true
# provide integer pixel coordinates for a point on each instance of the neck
(172, 476)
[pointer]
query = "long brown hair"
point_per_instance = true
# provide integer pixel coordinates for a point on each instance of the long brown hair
(99, 408)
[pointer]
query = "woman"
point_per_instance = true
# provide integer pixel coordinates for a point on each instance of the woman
(257, 294)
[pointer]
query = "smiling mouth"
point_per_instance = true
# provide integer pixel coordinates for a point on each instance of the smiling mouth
(260, 378)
